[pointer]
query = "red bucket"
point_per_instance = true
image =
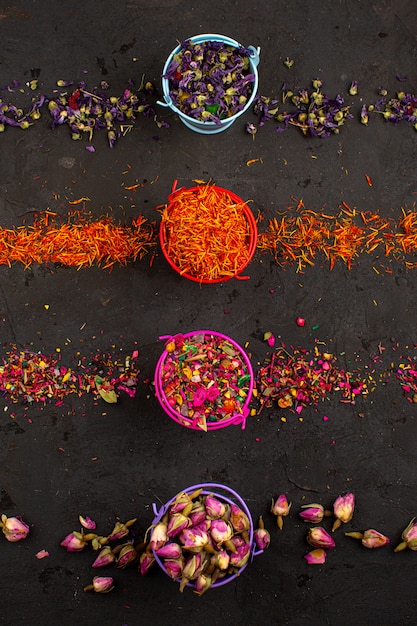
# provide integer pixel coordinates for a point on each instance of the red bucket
(224, 235)
(218, 394)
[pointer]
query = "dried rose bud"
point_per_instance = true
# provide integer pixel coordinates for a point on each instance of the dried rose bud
(241, 556)
(409, 537)
(173, 567)
(87, 523)
(170, 550)
(192, 569)
(262, 537)
(202, 584)
(146, 560)
(314, 513)
(281, 509)
(159, 535)
(121, 530)
(316, 557)
(215, 509)
(238, 518)
(194, 539)
(101, 584)
(177, 522)
(126, 556)
(74, 542)
(105, 557)
(221, 560)
(221, 531)
(14, 528)
(320, 538)
(343, 508)
(370, 538)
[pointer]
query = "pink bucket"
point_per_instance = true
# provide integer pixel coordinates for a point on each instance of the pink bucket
(209, 415)
(224, 494)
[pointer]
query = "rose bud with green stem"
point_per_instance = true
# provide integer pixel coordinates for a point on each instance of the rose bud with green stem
(121, 530)
(370, 538)
(280, 508)
(409, 537)
(261, 536)
(75, 541)
(193, 568)
(314, 513)
(105, 557)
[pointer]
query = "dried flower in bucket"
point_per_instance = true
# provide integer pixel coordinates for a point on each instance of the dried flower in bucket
(210, 80)
(208, 234)
(207, 537)
(204, 379)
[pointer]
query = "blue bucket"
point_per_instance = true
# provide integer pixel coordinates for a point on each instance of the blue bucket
(208, 127)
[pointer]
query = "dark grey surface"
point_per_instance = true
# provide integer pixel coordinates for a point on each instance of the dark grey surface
(142, 456)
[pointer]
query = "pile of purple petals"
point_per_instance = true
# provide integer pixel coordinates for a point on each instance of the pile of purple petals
(312, 111)
(86, 111)
(402, 107)
(210, 81)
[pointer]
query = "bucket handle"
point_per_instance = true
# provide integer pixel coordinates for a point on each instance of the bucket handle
(167, 102)
(254, 55)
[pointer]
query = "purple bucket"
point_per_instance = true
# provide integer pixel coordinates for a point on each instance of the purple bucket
(224, 494)
(207, 414)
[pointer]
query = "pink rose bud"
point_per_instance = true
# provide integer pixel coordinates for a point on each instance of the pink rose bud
(105, 557)
(87, 523)
(221, 531)
(14, 528)
(314, 513)
(241, 557)
(101, 584)
(239, 519)
(316, 557)
(319, 538)
(126, 556)
(281, 509)
(262, 538)
(202, 584)
(222, 560)
(176, 523)
(174, 567)
(194, 539)
(193, 568)
(170, 550)
(181, 501)
(409, 537)
(159, 536)
(121, 530)
(74, 542)
(370, 538)
(146, 560)
(343, 508)
(215, 509)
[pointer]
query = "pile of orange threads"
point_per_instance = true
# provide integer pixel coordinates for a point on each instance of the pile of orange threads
(299, 238)
(207, 234)
(78, 242)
